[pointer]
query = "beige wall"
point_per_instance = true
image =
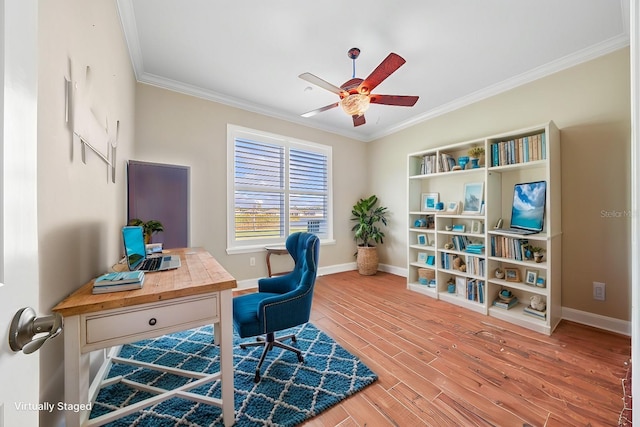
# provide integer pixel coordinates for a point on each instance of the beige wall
(179, 129)
(590, 104)
(80, 213)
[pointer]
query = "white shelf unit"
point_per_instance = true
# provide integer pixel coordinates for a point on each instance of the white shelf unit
(445, 228)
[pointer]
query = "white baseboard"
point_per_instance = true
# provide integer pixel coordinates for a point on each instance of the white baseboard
(339, 268)
(597, 321)
(398, 271)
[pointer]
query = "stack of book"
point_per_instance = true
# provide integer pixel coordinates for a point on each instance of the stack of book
(475, 248)
(121, 281)
(535, 313)
(505, 303)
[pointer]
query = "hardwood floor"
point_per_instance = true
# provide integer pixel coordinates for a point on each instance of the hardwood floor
(440, 365)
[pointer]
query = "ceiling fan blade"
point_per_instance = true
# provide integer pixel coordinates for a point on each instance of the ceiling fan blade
(358, 120)
(390, 64)
(323, 84)
(319, 110)
(400, 100)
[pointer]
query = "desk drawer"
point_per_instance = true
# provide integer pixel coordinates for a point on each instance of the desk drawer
(122, 323)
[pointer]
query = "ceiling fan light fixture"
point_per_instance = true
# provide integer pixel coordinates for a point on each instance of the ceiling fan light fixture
(355, 104)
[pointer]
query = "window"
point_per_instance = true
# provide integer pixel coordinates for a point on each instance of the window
(277, 186)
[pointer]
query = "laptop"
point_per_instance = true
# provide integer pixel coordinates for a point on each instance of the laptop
(136, 253)
(527, 208)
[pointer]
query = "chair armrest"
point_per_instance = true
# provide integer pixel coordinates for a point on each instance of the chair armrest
(277, 284)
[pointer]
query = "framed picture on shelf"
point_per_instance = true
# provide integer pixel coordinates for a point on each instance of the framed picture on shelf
(422, 257)
(476, 227)
(459, 228)
(429, 201)
(473, 198)
(422, 239)
(511, 274)
(530, 277)
(452, 207)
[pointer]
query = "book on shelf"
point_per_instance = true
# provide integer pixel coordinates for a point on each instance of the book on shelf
(475, 248)
(116, 282)
(519, 150)
(535, 313)
(505, 304)
(428, 164)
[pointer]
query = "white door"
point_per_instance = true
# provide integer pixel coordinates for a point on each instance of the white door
(19, 377)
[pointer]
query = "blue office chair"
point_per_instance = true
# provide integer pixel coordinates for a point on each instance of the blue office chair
(281, 302)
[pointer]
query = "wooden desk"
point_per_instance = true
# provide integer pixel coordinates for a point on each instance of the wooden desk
(196, 294)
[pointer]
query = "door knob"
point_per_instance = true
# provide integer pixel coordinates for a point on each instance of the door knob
(29, 332)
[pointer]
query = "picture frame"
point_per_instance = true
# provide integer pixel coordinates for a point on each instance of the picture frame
(422, 239)
(476, 227)
(452, 207)
(531, 277)
(460, 228)
(511, 274)
(473, 198)
(422, 257)
(429, 201)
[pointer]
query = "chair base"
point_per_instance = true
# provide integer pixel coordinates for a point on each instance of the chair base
(270, 341)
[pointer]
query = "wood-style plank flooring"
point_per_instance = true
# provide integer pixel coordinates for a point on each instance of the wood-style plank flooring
(440, 365)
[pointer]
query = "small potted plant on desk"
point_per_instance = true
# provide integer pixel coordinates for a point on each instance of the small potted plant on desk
(148, 228)
(366, 231)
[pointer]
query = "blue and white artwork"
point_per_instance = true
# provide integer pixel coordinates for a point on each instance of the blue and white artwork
(528, 205)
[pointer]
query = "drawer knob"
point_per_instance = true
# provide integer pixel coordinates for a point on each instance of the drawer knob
(152, 321)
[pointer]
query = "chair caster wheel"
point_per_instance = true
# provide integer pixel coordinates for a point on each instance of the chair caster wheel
(300, 358)
(256, 379)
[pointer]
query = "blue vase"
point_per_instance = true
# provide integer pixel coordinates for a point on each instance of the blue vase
(474, 163)
(462, 161)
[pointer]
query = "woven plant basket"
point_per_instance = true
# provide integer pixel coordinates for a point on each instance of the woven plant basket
(367, 260)
(425, 275)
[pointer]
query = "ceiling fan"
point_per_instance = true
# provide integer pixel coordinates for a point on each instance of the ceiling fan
(355, 94)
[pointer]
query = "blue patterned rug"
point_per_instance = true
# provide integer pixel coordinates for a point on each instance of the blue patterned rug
(288, 393)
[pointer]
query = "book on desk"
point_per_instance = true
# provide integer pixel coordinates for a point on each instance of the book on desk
(118, 281)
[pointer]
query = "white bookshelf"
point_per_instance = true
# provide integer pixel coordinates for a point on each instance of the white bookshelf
(497, 182)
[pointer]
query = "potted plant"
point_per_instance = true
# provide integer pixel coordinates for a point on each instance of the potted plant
(537, 252)
(367, 233)
(148, 228)
(476, 154)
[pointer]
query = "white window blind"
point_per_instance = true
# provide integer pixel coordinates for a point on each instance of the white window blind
(279, 186)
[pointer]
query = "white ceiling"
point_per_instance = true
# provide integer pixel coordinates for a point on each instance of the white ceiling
(249, 53)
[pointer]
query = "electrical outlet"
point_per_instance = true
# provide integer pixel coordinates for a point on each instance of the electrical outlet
(252, 261)
(598, 291)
